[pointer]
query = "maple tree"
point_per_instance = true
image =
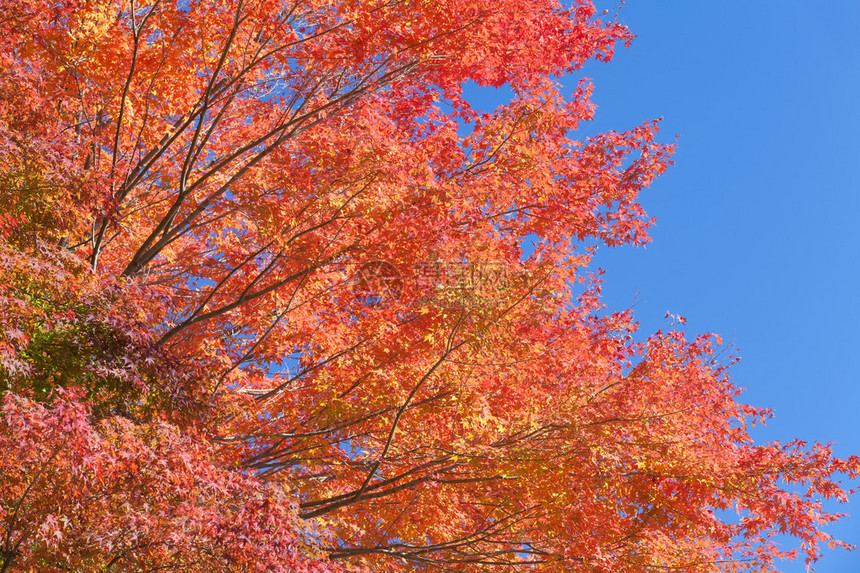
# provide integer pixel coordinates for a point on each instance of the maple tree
(192, 382)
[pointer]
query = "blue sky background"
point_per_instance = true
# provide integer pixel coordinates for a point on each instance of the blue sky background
(757, 221)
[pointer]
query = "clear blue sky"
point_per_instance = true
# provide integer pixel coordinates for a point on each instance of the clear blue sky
(757, 232)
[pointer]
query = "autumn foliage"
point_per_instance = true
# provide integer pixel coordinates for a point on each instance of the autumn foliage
(191, 380)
